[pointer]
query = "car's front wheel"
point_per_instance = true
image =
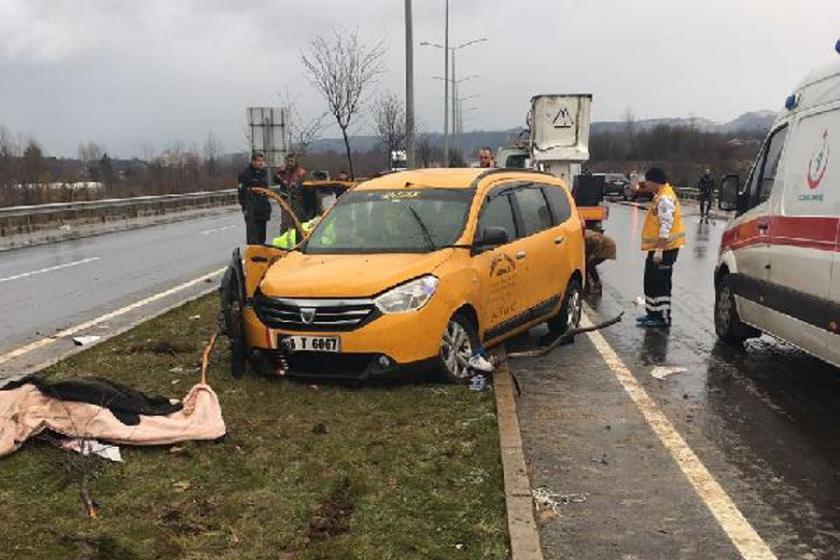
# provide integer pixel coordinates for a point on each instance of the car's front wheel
(728, 324)
(457, 347)
(570, 311)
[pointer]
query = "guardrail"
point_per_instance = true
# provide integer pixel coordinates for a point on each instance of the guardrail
(16, 220)
(691, 193)
(86, 205)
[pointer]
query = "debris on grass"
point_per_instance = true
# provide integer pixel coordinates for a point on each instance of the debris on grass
(86, 340)
(87, 447)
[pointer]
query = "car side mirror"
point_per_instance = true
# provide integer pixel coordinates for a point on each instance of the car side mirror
(491, 238)
(728, 199)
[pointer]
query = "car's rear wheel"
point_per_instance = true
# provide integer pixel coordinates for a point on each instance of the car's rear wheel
(728, 324)
(570, 311)
(456, 348)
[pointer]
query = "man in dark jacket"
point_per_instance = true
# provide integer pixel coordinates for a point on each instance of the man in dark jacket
(256, 207)
(706, 186)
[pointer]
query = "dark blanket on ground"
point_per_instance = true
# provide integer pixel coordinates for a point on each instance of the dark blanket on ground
(125, 403)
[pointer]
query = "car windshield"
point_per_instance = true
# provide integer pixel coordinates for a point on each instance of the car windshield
(392, 221)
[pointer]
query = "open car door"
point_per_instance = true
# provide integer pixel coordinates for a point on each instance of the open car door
(240, 281)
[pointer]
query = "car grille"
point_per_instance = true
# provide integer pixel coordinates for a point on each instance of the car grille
(313, 314)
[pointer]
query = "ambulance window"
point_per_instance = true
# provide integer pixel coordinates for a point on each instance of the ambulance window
(497, 212)
(771, 164)
(559, 203)
(533, 210)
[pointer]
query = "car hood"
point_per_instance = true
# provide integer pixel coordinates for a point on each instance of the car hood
(317, 276)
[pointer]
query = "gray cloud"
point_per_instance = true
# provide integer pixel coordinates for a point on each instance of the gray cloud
(128, 74)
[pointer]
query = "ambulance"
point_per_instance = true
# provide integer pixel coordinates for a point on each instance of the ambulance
(779, 266)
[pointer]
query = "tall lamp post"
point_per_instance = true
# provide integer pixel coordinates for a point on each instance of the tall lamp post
(450, 50)
(409, 88)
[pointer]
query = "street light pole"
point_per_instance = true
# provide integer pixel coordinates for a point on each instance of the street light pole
(409, 88)
(454, 103)
(446, 90)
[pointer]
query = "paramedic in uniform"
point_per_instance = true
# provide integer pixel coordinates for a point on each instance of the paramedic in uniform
(662, 236)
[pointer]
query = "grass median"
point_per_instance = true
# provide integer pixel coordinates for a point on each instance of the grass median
(305, 471)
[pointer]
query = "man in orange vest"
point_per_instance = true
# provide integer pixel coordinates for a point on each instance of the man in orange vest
(662, 236)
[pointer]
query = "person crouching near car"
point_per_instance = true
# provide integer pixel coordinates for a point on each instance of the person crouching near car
(598, 248)
(662, 236)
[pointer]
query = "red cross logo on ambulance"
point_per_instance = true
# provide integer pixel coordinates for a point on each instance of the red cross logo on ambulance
(818, 163)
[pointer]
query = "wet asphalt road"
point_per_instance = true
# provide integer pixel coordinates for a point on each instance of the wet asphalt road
(763, 419)
(47, 288)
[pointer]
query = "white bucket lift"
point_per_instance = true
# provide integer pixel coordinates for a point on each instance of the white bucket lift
(559, 125)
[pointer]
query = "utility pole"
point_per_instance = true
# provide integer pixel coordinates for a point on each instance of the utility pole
(446, 90)
(455, 135)
(409, 88)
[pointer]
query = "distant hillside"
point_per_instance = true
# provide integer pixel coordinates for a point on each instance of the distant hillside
(749, 123)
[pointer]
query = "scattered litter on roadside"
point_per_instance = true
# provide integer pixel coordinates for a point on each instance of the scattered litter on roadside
(85, 340)
(87, 447)
(177, 369)
(459, 546)
(195, 317)
(661, 372)
(176, 381)
(546, 499)
(478, 383)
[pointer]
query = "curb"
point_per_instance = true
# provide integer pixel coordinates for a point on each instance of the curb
(522, 528)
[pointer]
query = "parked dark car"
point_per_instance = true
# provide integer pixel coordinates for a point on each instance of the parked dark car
(614, 184)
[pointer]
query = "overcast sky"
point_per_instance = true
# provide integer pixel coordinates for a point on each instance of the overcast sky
(130, 73)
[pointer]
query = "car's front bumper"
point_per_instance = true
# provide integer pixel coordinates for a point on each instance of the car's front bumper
(383, 345)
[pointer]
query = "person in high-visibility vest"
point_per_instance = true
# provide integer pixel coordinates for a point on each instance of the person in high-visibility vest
(662, 236)
(288, 238)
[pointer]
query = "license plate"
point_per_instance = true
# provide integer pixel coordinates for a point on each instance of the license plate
(311, 343)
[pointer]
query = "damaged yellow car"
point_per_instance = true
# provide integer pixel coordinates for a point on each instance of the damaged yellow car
(412, 271)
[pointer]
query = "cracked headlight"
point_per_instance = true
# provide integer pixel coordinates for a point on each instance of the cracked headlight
(410, 296)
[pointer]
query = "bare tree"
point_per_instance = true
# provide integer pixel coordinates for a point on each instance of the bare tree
(389, 117)
(212, 153)
(302, 130)
(90, 154)
(341, 68)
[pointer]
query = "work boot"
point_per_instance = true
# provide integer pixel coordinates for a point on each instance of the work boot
(653, 322)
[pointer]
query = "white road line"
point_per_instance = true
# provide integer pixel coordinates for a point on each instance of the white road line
(107, 317)
(209, 231)
(729, 517)
(50, 269)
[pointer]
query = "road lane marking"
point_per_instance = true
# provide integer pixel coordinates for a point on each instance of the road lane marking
(50, 269)
(748, 542)
(107, 317)
(223, 228)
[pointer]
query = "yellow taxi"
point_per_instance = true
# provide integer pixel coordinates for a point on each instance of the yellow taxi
(411, 271)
